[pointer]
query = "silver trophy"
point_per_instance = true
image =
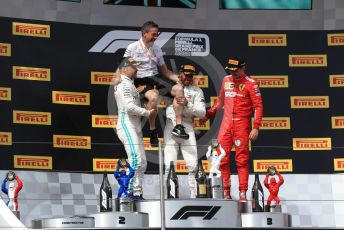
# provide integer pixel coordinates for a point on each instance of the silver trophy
(215, 179)
(12, 191)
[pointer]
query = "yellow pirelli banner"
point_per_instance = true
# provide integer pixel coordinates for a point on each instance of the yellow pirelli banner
(201, 81)
(322, 143)
(104, 121)
(32, 30)
(336, 80)
(272, 81)
(31, 117)
(103, 164)
(70, 98)
(181, 166)
(5, 94)
(32, 162)
(199, 126)
(282, 165)
(102, 78)
(335, 39)
(72, 142)
(267, 40)
(310, 102)
(274, 123)
(5, 138)
(31, 73)
(147, 145)
(5, 49)
(306, 60)
(338, 164)
(337, 122)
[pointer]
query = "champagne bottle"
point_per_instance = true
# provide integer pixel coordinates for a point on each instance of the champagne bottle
(172, 183)
(201, 181)
(257, 195)
(105, 195)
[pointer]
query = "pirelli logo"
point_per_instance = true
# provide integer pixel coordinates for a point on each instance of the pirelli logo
(33, 162)
(70, 98)
(31, 73)
(5, 138)
(5, 94)
(309, 102)
(101, 164)
(32, 30)
(315, 60)
(5, 49)
(274, 123)
(337, 80)
(162, 102)
(102, 78)
(337, 122)
(181, 166)
(201, 81)
(335, 39)
(31, 117)
(104, 121)
(72, 142)
(212, 100)
(147, 145)
(282, 165)
(312, 143)
(199, 126)
(338, 164)
(277, 81)
(267, 40)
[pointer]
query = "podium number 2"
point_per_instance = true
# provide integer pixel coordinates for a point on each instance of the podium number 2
(121, 220)
(269, 221)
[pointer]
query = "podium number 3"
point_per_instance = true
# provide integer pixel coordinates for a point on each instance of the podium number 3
(269, 221)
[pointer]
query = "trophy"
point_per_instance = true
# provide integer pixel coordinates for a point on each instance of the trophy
(273, 187)
(12, 191)
(214, 160)
(123, 178)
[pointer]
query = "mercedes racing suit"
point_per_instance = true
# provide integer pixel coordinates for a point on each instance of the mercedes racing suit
(240, 98)
(195, 107)
(129, 129)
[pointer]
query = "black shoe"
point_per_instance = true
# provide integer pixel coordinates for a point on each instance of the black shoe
(179, 131)
(154, 141)
(137, 197)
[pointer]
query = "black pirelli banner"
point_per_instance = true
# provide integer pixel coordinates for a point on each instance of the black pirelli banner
(57, 110)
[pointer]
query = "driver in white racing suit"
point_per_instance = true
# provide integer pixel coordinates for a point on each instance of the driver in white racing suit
(129, 128)
(194, 106)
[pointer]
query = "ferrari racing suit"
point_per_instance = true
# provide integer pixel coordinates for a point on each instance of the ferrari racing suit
(240, 98)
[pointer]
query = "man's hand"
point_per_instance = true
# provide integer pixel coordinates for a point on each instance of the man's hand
(116, 80)
(253, 134)
(140, 88)
(181, 100)
(152, 113)
(202, 121)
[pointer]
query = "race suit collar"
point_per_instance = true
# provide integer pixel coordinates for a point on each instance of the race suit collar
(126, 78)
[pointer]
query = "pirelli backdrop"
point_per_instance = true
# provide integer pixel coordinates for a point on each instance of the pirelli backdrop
(57, 110)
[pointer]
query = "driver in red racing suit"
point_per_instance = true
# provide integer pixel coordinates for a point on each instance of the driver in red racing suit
(240, 97)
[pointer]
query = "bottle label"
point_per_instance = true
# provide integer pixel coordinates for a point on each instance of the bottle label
(202, 189)
(104, 199)
(260, 199)
(173, 189)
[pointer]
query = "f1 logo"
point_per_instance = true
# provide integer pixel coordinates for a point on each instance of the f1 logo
(207, 212)
(121, 220)
(268, 221)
